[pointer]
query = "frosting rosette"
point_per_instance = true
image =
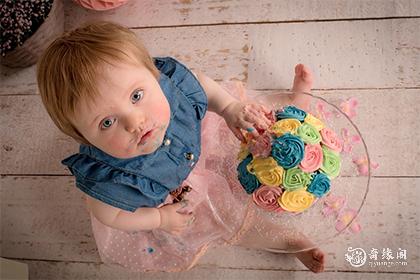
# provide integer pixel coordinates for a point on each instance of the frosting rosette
(320, 185)
(309, 134)
(291, 112)
(261, 147)
(267, 198)
(248, 181)
(331, 164)
(243, 151)
(296, 201)
(315, 122)
(312, 159)
(288, 150)
(294, 179)
(284, 126)
(288, 166)
(267, 171)
(331, 140)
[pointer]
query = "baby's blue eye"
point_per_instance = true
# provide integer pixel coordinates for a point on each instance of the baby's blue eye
(137, 95)
(107, 123)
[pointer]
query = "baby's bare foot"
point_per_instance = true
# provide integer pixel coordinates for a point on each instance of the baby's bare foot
(313, 259)
(302, 83)
(303, 79)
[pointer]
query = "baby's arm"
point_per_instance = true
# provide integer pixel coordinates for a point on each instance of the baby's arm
(141, 219)
(144, 218)
(218, 98)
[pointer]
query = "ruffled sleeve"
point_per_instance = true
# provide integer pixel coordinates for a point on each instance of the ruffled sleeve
(113, 186)
(186, 81)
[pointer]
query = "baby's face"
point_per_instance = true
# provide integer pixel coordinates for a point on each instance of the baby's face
(131, 115)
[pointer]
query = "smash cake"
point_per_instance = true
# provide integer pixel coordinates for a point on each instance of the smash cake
(289, 166)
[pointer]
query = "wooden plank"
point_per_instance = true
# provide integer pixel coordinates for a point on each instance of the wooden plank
(348, 54)
(29, 131)
(220, 52)
(44, 218)
(74, 270)
(149, 13)
(384, 55)
(30, 141)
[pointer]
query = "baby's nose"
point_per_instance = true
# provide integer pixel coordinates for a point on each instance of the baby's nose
(135, 123)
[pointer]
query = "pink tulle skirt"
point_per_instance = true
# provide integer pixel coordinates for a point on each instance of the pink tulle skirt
(220, 205)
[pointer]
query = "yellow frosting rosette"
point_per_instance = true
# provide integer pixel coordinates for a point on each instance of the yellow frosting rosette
(243, 152)
(284, 126)
(310, 119)
(296, 201)
(267, 171)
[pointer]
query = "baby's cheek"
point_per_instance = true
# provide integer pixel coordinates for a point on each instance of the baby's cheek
(162, 113)
(116, 144)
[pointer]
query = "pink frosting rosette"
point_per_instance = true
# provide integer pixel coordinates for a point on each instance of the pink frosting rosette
(260, 147)
(266, 197)
(312, 160)
(331, 140)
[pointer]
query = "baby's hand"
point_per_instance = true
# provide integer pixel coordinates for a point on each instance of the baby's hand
(172, 221)
(247, 116)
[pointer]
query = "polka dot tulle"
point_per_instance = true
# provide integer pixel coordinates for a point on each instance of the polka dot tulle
(219, 204)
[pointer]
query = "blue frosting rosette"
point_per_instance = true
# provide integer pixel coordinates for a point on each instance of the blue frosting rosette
(291, 112)
(248, 181)
(320, 185)
(296, 187)
(288, 150)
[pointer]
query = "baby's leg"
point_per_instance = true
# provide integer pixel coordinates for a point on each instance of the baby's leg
(272, 237)
(302, 82)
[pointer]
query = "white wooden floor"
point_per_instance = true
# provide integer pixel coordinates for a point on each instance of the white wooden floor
(364, 49)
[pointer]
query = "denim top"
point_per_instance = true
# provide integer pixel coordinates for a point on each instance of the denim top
(146, 180)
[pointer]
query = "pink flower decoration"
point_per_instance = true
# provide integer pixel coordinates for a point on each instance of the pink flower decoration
(312, 159)
(349, 141)
(333, 204)
(331, 140)
(349, 107)
(345, 218)
(322, 113)
(260, 147)
(266, 197)
(363, 166)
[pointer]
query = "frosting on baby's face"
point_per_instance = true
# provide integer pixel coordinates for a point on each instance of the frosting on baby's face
(130, 116)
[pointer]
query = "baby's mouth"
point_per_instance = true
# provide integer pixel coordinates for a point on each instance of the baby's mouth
(145, 136)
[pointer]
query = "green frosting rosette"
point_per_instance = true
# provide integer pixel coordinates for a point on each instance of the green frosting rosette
(291, 112)
(248, 181)
(331, 164)
(309, 134)
(288, 150)
(295, 178)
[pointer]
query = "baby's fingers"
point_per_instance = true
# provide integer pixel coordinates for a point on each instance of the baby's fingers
(263, 113)
(190, 220)
(238, 134)
(249, 127)
(255, 114)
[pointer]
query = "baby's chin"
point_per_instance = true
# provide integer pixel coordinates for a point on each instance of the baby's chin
(134, 153)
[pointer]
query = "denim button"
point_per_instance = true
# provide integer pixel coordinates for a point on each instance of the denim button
(189, 156)
(167, 142)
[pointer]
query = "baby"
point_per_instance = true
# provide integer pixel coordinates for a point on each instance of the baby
(143, 127)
